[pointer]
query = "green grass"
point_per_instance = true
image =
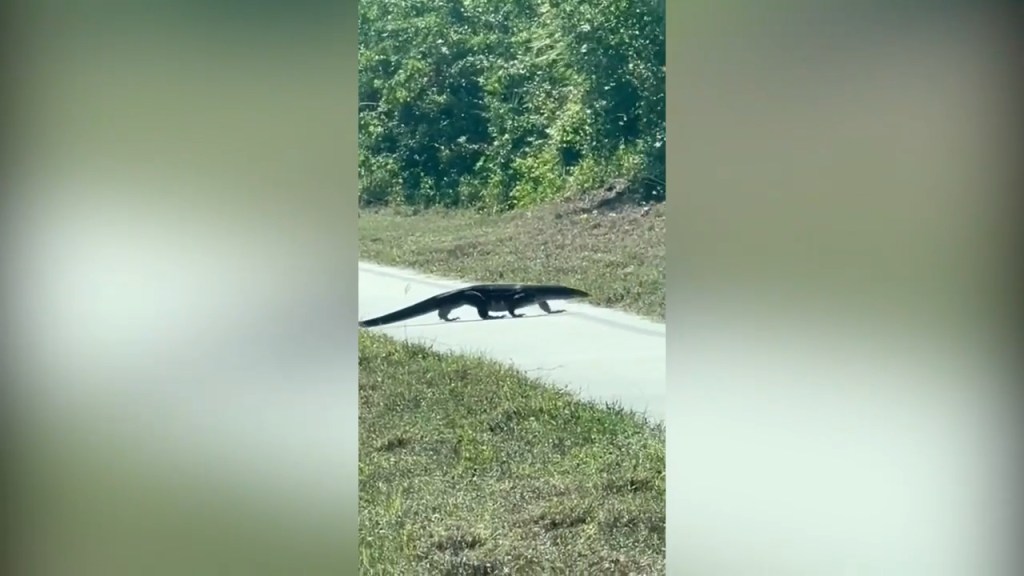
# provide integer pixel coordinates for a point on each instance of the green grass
(466, 466)
(616, 252)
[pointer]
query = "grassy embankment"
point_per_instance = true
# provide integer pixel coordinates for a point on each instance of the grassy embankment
(610, 247)
(468, 467)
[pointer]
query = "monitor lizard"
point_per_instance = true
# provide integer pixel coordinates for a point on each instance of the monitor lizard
(486, 298)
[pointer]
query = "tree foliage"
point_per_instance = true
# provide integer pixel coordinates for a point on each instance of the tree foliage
(503, 103)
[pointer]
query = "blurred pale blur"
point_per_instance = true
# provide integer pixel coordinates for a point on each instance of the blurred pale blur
(842, 394)
(180, 250)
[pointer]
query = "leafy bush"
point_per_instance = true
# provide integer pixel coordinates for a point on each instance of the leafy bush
(504, 103)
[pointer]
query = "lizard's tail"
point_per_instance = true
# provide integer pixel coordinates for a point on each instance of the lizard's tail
(418, 309)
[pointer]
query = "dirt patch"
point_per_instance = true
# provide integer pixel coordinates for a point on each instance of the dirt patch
(616, 197)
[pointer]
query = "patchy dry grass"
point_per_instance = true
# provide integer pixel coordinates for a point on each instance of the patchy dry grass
(601, 243)
(468, 467)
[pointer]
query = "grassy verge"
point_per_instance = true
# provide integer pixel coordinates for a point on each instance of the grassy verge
(468, 467)
(611, 248)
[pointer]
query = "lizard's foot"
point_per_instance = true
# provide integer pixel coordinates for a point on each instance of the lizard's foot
(547, 307)
(449, 319)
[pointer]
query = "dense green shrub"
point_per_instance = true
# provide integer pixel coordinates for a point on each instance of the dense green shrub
(503, 103)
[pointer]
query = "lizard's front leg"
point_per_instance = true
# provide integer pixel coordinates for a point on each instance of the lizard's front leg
(485, 313)
(513, 304)
(478, 301)
(547, 307)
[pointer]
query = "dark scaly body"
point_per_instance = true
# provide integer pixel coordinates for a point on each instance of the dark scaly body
(486, 298)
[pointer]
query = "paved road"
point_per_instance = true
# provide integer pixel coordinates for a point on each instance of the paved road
(600, 354)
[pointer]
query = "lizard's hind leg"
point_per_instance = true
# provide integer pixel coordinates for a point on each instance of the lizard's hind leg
(443, 314)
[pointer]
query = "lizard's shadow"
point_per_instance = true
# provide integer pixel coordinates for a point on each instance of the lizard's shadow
(468, 320)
